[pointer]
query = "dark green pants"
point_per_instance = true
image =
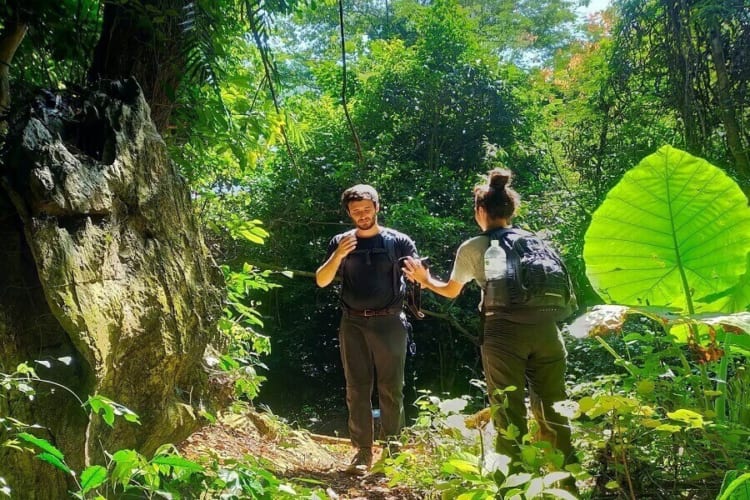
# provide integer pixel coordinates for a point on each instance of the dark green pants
(519, 355)
(373, 350)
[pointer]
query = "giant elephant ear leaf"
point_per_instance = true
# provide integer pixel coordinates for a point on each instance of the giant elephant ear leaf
(675, 229)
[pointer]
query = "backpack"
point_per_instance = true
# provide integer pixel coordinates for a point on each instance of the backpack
(410, 291)
(389, 243)
(536, 287)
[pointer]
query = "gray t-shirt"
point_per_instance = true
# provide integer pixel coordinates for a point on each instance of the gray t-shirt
(469, 263)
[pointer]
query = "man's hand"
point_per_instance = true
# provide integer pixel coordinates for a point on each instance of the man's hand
(325, 273)
(347, 244)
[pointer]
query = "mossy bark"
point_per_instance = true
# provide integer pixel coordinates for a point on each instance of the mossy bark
(109, 270)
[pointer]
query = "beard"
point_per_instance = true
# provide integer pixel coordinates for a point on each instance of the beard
(365, 224)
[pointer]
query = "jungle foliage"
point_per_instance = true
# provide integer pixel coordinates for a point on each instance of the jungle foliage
(628, 132)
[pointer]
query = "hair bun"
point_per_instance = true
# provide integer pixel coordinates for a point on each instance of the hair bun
(499, 178)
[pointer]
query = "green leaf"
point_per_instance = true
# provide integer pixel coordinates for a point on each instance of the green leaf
(517, 480)
(100, 403)
(535, 488)
(670, 428)
(54, 460)
(42, 444)
(559, 494)
(475, 494)
(92, 477)
(460, 466)
(729, 488)
(736, 298)
(554, 477)
(177, 462)
(127, 463)
(693, 419)
(675, 227)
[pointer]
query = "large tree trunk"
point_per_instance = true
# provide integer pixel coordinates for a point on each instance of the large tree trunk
(104, 265)
(10, 39)
(728, 117)
(137, 43)
(681, 61)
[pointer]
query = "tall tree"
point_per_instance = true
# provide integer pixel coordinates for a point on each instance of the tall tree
(145, 39)
(695, 48)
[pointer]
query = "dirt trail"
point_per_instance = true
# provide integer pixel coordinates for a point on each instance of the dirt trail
(293, 454)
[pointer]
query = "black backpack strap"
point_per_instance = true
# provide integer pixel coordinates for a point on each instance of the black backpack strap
(389, 241)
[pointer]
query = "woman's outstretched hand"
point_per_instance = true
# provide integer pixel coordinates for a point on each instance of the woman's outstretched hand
(415, 271)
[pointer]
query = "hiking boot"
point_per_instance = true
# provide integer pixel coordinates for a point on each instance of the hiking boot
(361, 462)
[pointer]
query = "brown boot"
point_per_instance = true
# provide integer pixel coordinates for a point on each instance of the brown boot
(361, 462)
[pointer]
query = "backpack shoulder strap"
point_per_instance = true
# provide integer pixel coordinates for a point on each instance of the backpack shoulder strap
(389, 241)
(497, 232)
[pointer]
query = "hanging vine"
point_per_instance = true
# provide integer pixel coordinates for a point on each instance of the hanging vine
(357, 144)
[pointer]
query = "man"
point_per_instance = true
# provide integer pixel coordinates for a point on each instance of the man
(373, 328)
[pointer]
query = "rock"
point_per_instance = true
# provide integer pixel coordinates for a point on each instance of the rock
(105, 265)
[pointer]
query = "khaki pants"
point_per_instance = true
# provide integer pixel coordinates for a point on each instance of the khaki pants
(516, 355)
(370, 347)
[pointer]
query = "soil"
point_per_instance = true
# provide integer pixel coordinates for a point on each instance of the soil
(294, 455)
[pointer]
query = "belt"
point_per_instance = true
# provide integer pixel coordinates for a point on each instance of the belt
(373, 312)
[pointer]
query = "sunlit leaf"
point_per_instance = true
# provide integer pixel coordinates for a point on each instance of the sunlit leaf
(559, 494)
(674, 227)
(536, 486)
(24, 369)
(475, 494)
(42, 444)
(693, 419)
(104, 405)
(92, 477)
(54, 460)
(585, 404)
(287, 488)
(736, 298)
(177, 462)
(462, 466)
(127, 463)
(671, 428)
(554, 477)
(730, 487)
(650, 423)
(516, 480)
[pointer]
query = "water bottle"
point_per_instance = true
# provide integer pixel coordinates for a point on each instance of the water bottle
(496, 289)
(494, 261)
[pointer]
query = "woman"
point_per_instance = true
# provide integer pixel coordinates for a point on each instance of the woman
(513, 354)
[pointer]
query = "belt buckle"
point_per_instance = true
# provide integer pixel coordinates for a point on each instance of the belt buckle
(369, 312)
